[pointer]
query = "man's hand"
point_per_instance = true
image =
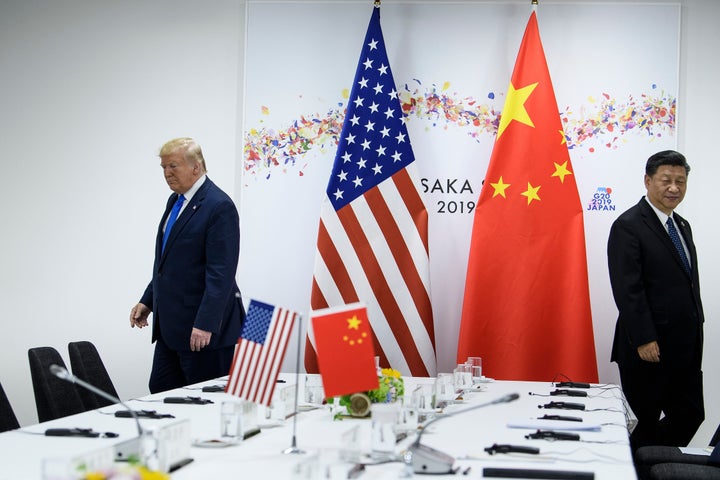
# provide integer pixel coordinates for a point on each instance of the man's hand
(650, 352)
(199, 339)
(139, 315)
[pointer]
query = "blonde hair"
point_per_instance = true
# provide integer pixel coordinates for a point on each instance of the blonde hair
(190, 148)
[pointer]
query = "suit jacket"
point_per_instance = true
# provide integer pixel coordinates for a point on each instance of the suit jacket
(656, 298)
(193, 282)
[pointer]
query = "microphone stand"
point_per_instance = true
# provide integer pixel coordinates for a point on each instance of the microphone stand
(293, 448)
(426, 459)
(63, 374)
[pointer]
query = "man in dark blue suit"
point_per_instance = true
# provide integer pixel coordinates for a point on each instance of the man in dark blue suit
(658, 341)
(193, 295)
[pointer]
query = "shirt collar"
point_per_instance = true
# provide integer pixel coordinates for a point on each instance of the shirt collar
(660, 214)
(193, 190)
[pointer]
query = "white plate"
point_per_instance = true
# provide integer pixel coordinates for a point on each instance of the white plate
(213, 443)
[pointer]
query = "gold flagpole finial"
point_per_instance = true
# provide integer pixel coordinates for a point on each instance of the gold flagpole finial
(534, 2)
(376, 3)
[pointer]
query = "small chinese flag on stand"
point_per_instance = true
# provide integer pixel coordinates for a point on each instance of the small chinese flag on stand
(344, 349)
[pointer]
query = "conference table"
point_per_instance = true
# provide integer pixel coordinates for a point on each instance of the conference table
(329, 445)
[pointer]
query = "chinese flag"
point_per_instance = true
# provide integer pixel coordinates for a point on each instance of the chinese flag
(344, 349)
(526, 309)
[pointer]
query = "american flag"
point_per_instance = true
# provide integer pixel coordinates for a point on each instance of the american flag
(260, 351)
(372, 242)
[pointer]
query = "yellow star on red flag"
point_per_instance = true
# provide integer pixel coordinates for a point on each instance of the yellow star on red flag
(515, 107)
(500, 188)
(561, 171)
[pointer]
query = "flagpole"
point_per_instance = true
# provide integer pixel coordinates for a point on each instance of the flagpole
(293, 448)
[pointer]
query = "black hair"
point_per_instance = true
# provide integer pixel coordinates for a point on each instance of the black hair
(666, 157)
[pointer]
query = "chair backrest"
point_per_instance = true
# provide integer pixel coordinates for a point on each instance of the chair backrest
(715, 438)
(54, 398)
(88, 366)
(8, 420)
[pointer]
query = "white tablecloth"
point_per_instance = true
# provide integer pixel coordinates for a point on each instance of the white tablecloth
(605, 452)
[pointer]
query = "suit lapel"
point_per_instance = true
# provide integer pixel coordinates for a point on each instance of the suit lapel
(158, 239)
(654, 223)
(185, 216)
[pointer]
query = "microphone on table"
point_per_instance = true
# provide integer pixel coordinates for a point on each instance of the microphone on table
(429, 460)
(124, 450)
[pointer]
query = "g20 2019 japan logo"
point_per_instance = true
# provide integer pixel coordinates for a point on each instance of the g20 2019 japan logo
(602, 200)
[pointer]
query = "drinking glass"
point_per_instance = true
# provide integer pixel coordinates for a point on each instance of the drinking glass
(444, 389)
(476, 364)
(462, 377)
(314, 393)
(231, 425)
(384, 418)
(423, 397)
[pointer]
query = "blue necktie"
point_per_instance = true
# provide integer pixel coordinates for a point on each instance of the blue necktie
(171, 220)
(675, 237)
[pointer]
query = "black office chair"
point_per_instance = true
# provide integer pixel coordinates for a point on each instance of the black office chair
(715, 438)
(54, 398)
(684, 471)
(88, 366)
(8, 420)
(661, 462)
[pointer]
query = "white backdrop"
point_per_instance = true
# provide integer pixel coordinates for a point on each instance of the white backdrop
(615, 73)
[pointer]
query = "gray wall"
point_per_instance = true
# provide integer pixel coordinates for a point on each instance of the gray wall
(88, 93)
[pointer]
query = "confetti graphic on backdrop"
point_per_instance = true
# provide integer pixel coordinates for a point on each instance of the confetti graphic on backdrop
(600, 124)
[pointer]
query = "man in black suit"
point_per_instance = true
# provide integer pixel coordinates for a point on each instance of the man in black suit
(196, 303)
(659, 332)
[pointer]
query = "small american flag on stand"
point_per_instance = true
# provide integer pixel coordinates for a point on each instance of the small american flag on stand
(372, 244)
(260, 352)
